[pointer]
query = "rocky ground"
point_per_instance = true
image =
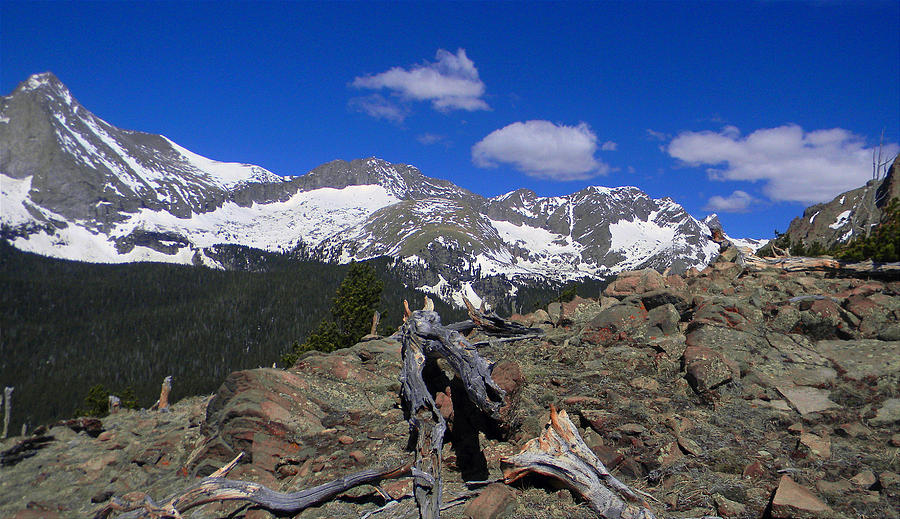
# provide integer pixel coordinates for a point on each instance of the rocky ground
(721, 392)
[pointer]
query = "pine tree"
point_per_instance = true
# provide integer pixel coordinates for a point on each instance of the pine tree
(355, 300)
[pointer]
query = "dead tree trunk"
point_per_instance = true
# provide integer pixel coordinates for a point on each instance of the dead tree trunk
(7, 410)
(424, 339)
(162, 405)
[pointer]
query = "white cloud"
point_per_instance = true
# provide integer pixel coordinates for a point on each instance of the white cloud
(378, 107)
(609, 146)
(737, 202)
(429, 138)
(542, 149)
(794, 164)
(450, 83)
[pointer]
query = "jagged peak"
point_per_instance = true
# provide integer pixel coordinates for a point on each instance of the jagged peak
(42, 80)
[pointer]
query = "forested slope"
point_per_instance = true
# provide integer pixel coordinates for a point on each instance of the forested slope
(66, 326)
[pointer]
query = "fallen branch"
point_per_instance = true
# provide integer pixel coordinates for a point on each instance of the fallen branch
(494, 325)
(754, 263)
(561, 453)
(216, 488)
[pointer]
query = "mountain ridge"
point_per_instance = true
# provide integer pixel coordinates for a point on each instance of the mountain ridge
(77, 187)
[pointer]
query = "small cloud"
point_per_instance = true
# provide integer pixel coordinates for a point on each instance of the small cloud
(736, 202)
(542, 149)
(429, 138)
(658, 136)
(608, 146)
(450, 83)
(379, 107)
(792, 163)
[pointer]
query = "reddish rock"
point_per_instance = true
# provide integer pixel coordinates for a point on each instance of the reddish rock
(791, 501)
(635, 282)
(861, 306)
(495, 501)
(669, 454)
(864, 479)
(727, 507)
(508, 375)
(610, 457)
(444, 403)
(706, 368)
(600, 421)
(834, 488)
(398, 489)
(345, 440)
(819, 447)
(358, 456)
(755, 470)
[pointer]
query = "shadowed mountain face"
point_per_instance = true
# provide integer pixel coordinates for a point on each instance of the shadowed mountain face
(74, 186)
(849, 215)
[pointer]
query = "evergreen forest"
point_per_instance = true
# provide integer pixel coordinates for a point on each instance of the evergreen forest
(68, 326)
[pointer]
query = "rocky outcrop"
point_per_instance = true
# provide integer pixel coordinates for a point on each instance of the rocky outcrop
(743, 394)
(848, 215)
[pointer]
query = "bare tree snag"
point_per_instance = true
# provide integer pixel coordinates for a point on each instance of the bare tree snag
(114, 404)
(162, 405)
(7, 410)
(375, 318)
(561, 453)
(216, 488)
(424, 340)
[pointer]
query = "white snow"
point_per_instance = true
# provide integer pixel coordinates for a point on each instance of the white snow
(842, 200)
(225, 174)
(13, 197)
(842, 220)
(813, 217)
(4, 119)
(309, 216)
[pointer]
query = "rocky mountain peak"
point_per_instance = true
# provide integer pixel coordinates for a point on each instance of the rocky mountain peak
(849, 215)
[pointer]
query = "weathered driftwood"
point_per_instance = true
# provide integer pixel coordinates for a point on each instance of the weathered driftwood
(494, 325)
(424, 339)
(561, 453)
(216, 488)
(800, 263)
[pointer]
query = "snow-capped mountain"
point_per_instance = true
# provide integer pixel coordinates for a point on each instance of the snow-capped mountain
(74, 186)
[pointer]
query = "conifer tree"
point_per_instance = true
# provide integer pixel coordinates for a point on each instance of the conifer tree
(355, 300)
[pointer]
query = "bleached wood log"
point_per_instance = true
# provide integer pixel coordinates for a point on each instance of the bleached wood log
(561, 453)
(493, 324)
(754, 263)
(216, 488)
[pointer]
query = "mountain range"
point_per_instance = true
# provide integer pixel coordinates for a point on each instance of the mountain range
(77, 187)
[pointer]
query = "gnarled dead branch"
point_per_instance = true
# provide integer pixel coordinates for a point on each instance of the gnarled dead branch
(216, 488)
(561, 453)
(424, 339)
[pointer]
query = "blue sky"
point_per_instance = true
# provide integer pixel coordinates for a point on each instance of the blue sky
(752, 110)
